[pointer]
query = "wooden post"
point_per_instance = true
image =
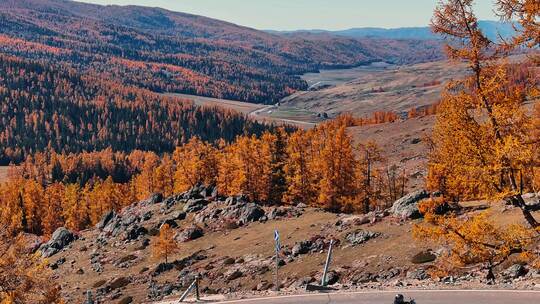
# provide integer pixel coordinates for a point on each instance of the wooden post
(197, 295)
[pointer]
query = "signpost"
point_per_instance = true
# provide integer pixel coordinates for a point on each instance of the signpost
(278, 249)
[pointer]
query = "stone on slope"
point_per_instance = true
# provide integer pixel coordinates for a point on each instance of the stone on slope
(251, 212)
(515, 271)
(106, 219)
(59, 240)
(407, 206)
(361, 236)
(302, 247)
(194, 205)
(190, 233)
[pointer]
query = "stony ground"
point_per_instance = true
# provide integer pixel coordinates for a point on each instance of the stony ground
(229, 242)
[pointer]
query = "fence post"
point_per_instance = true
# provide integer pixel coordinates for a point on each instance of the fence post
(197, 295)
(327, 264)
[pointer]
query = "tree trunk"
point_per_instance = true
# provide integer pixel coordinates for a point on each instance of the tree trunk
(517, 201)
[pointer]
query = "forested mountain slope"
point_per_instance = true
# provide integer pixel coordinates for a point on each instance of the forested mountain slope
(55, 108)
(175, 52)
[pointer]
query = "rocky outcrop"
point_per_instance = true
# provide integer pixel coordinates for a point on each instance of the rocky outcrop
(407, 206)
(190, 233)
(59, 240)
(194, 205)
(515, 271)
(361, 236)
(315, 244)
(105, 220)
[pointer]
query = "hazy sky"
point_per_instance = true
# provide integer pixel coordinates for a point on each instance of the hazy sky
(309, 14)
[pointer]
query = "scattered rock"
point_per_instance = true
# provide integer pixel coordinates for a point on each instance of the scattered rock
(178, 216)
(304, 281)
(424, 257)
(172, 223)
(135, 232)
(418, 274)
(194, 205)
(388, 274)
(365, 277)
(407, 206)
(515, 271)
(190, 233)
(156, 198)
(302, 247)
(332, 277)
(233, 275)
(361, 236)
(99, 283)
(251, 212)
(264, 285)
(161, 268)
(105, 220)
(59, 240)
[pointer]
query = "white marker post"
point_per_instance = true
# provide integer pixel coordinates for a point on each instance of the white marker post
(278, 248)
(327, 264)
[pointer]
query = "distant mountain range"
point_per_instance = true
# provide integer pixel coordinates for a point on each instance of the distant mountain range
(167, 51)
(492, 29)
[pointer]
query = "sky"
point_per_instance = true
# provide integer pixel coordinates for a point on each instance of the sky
(309, 14)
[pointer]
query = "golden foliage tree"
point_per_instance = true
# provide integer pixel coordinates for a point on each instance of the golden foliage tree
(367, 175)
(482, 137)
(337, 168)
(165, 244)
(526, 13)
(196, 163)
(298, 169)
(477, 239)
(24, 278)
(483, 146)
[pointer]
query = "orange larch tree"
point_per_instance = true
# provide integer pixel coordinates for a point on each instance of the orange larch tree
(483, 148)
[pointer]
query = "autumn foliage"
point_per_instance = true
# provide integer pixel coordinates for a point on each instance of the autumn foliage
(44, 107)
(165, 245)
(485, 142)
(24, 278)
(320, 167)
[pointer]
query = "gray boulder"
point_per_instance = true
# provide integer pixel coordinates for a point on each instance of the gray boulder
(105, 220)
(515, 271)
(178, 216)
(170, 201)
(59, 240)
(361, 236)
(251, 212)
(302, 247)
(135, 232)
(418, 274)
(194, 205)
(407, 206)
(190, 233)
(156, 198)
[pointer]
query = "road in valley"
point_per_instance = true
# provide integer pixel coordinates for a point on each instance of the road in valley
(420, 296)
